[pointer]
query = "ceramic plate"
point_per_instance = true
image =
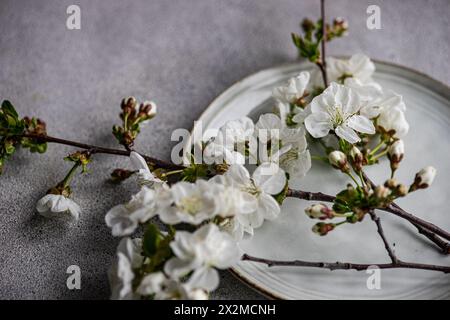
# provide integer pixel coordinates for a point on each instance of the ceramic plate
(290, 237)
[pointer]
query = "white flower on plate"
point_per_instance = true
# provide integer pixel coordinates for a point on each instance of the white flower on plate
(121, 274)
(163, 288)
(337, 109)
(123, 219)
(230, 143)
(293, 90)
(145, 176)
(201, 252)
(267, 180)
(355, 73)
(287, 146)
(56, 205)
(390, 110)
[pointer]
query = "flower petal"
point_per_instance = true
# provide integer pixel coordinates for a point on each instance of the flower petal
(361, 124)
(270, 178)
(347, 134)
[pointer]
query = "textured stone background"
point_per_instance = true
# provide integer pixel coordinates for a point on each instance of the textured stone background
(180, 53)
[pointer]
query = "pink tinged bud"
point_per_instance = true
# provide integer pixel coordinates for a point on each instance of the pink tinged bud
(319, 211)
(149, 108)
(425, 177)
(322, 229)
(396, 151)
(338, 160)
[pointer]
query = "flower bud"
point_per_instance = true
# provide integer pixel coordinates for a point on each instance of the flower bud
(357, 157)
(319, 211)
(147, 109)
(322, 229)
(381, 192)
(424, 178)
(128, 103)
(395, 153)
(339, 160)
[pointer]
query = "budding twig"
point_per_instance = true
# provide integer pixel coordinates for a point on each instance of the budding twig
(95, 149)
(346, 265)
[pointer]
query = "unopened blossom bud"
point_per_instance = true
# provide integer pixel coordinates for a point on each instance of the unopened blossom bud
(147, 109)
(319, 211)
(129, 102)
(307, 25)
(391, 184)
(322, 228)
(402, 190)
(357, 158)
(339, 160)
(381, 192)
(395, 153)
(424, 178)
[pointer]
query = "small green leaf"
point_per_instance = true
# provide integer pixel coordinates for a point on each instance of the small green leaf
(151, 240)
(8, 108)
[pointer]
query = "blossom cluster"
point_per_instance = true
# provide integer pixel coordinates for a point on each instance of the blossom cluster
(244, 177)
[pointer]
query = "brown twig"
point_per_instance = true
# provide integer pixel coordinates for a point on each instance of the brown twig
(96, 149)
(323, 64)
(346, 265)
(380, 230)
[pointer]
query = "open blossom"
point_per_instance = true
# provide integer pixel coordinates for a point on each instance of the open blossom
(145, 176)
(267, 180)
(390, 110)
(56, 205)
(355, 73)
(287, 146)
(121, 274)
(203, 200)
(293, 90)
(163, 288)
(230, 143)
(337, 109)
(123, 219)
(200, 253)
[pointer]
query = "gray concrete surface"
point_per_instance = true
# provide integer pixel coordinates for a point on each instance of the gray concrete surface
(180, 53)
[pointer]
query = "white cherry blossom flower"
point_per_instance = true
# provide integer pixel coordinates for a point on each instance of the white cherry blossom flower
(287, 146)
(55, 205)
(230, 143)
(337, 109)
(390, 110)
(123, 219)
(203, 200)
(201, 252)
(121, 274)
(293, 90)
(267, 180)
(145, 176)
(355, 73)
(164, 288)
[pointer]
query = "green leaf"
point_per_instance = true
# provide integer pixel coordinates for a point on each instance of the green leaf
(8, 109)
(151, 240)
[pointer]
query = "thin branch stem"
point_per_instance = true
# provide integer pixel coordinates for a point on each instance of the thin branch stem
(380, 230)
(96, 149)
(323, 64)
(346, 265)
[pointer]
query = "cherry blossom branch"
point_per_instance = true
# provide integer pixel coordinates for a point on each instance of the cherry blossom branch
(380, 230)
(322, 64)
(96, 149)
(346, 265)
(421, 225)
